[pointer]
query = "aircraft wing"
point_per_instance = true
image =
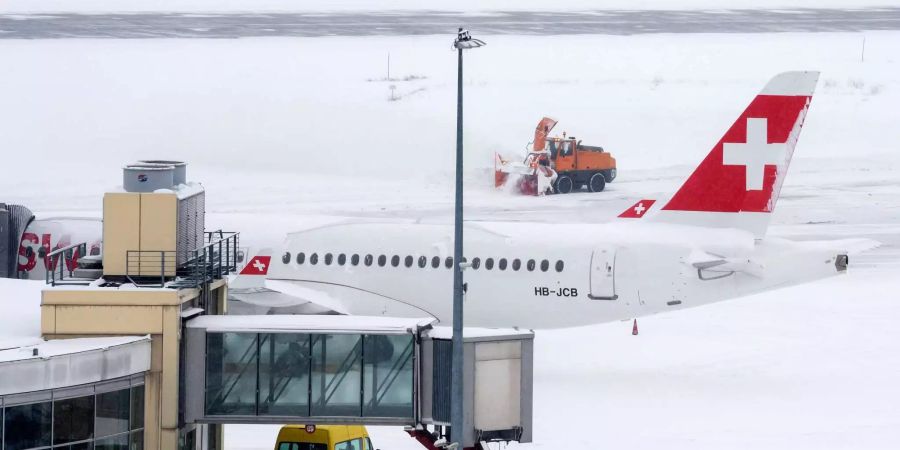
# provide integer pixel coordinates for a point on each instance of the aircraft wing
(251, 293)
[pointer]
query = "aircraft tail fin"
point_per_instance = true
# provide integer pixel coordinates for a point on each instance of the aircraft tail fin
(637, 210)
(253, 275)
(737, 184)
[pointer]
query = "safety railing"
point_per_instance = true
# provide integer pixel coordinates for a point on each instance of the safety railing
(62, 262)
(184, 269)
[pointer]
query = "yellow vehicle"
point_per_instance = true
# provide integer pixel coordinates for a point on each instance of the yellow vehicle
(325, 437)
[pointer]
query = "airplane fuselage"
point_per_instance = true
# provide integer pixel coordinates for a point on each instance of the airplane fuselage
(534, 275)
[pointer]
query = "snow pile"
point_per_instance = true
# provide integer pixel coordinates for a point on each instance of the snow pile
(20, 312)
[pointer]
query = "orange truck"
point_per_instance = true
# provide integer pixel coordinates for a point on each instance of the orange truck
(572, 165)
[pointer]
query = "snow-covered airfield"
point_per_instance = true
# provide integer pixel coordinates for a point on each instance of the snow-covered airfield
(292, 133)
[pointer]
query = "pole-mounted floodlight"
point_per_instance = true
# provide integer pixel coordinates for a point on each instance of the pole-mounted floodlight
(463, 41)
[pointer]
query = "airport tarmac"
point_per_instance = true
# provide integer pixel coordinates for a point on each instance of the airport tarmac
(408, 23)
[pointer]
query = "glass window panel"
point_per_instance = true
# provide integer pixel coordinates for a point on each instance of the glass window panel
(388, 376)
(231, 373)
(355, 444)
(137, 440)
(73, 419)
(137, 407)
(78, 446)
(119, 442)
(112, 412)
(188, 441)
(27, 426)
(284, 374)
(336, 366)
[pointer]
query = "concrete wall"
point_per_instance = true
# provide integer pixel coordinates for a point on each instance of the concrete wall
(80, 312)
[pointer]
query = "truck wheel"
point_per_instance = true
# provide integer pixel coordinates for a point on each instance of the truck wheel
(597, 182)
(564, 184)
(610, 175)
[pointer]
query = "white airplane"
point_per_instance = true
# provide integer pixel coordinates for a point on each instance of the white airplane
(36, 238)
(705, 244)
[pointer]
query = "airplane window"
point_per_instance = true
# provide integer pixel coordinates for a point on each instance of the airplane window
(369, 259)
(530, 265)
(423, 261)
(559, 266)
(408, 261)
(382, 260)
(328, 259)
(342, 259)
(354, 259)
(489, 263)
(286, 257)
(545, 265)
(476, 263)
(516, 264)
(301, 257)
(395, 260)
(501, 264)
(448, 262)
(436, 262)
(314, 259)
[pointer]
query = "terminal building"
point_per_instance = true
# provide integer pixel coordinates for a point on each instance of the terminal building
(133, 348)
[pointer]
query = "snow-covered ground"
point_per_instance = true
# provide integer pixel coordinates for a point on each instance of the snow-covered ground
(288, 133)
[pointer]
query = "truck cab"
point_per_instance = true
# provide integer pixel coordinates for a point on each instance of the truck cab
(325, 437)
(579, 165)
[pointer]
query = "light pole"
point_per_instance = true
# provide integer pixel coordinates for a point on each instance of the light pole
(463, 41)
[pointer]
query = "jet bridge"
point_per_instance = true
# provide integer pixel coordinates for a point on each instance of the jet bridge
(281, 369)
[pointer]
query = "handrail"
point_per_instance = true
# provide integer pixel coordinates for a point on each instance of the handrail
(73, 251)
(216, 258)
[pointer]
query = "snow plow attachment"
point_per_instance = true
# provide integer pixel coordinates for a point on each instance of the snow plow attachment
(514, 177)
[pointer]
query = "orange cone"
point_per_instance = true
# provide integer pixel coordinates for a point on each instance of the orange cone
(634, 330)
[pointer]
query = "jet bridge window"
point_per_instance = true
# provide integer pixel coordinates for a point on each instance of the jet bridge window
(301, 258)
(501, 264)
(314, 258)
(286, 257)
(328, 259)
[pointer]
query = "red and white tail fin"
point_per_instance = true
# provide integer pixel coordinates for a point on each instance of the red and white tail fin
(737, 184)
(637, 210)
(253, 275)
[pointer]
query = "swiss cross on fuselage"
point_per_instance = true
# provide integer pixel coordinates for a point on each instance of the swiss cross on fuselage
(639, 209)
(754, 154)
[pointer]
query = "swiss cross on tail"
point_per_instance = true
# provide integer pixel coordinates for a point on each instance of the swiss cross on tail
(743, 173)
(259, 265)
(637, 210)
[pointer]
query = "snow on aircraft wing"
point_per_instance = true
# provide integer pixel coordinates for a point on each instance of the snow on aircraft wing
(251, 293)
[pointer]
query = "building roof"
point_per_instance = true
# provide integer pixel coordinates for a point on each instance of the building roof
(29, 363)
